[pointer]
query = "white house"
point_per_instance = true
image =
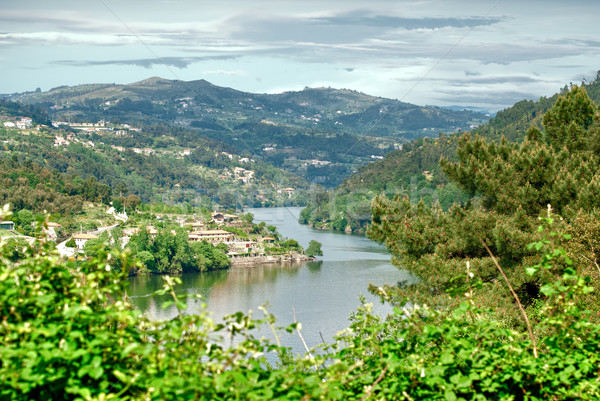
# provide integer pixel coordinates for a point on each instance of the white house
(213, 236)
(81, 239)
(51, 230)
(7, 225)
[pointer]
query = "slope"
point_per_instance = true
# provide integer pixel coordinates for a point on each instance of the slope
(323, 134)
(415, 169)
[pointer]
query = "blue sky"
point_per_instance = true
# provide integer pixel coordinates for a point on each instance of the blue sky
(481, 53)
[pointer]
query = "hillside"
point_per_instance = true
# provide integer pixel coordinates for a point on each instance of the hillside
(183, 102)
(415, 169)
(40, 165)
(322, 134)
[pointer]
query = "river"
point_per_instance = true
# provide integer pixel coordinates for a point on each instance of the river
(323, 293)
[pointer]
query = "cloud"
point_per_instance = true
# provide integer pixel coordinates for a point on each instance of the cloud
(361, 18)
(236, 73)
(501, 80)
(63, 38)
(581, 42)
(178, 62)
(498, 99)
(350, 27)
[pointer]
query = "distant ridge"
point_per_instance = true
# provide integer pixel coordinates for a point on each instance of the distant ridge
(323, 134)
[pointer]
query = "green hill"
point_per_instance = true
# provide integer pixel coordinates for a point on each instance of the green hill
(415, 169)
(42, 165)
(322, 134)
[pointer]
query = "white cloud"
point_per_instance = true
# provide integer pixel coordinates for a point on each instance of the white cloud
(237, 73)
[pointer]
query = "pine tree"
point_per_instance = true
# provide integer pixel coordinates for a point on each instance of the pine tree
(511, 184)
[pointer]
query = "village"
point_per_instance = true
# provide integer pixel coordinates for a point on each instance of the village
(244, 242)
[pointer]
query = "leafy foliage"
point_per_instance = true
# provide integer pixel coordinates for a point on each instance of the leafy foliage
(314, 249)
(112, 168)
(27, 186)
(512, 183)
(172, 253)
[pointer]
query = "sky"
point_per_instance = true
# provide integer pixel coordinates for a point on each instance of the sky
(486, 53)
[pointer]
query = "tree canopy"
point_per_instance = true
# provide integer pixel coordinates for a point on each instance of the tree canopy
(511, 185)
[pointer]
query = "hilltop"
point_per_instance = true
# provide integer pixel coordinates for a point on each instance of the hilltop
(184, 102)
(323, 134)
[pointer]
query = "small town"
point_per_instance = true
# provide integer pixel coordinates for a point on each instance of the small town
(244, 243)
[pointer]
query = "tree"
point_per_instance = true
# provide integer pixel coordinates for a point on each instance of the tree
(510, 185)
(292, 245)
(132, 202)
(314, 249)
(25, 218)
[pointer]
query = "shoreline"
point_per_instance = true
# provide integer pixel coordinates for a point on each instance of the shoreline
(269, 259)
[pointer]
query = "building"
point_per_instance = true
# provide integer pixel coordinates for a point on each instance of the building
(152, 231)
(212, 236)
(128, 232)
(81, 239)
(196, 225)
(240, 247)
(60, 141)
(51, 230)
(231, 217)
(7, 225)
(218, 217)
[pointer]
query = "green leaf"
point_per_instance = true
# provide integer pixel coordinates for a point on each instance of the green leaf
(548, 290)
(96, 372)
(531, 270)
(450, 395)
(461, 310)
(447, 358)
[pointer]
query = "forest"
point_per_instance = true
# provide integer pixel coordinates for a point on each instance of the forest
(341, 127)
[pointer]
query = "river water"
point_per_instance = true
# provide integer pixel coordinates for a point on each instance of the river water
(323, 293)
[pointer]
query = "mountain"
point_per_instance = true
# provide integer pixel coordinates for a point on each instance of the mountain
(184, 102)
(323, 134)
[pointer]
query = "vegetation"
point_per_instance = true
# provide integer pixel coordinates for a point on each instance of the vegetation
(314, 249)
(168, 253)
(104, 168)
(17, 109)
(512, 185)
(415, 170)
(341, 127)
(27, 186)
(69, 332)
(505, 306)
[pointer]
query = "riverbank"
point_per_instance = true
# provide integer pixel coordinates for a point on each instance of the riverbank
(269, 259)
(326, 227)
